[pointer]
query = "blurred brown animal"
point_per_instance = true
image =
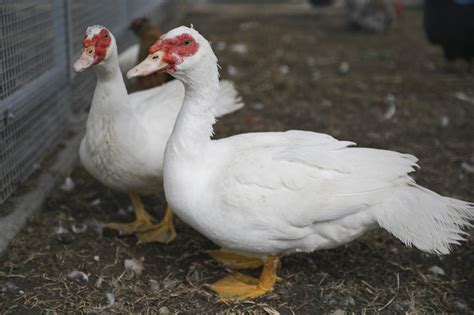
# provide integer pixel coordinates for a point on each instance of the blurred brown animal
(148, 34)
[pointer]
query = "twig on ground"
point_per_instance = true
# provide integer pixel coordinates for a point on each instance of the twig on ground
(394, 297)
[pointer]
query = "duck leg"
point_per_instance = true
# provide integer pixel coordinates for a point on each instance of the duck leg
(143, 226)
(163, 232)
(143, 220)
(235, 261)
(241, 287)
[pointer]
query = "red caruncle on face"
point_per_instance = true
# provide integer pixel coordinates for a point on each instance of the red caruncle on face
(100, 42)
(175, 49)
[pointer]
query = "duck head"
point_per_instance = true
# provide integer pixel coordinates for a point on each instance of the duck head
(177, 52)
(97, 46)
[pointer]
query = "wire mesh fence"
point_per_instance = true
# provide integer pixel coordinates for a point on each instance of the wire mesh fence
(39, 39)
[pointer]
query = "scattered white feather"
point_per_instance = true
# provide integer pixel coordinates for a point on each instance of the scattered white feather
(99, 282)
(232, 71)
(134, 265)
(170, 283)
(246, 26)
(78, 276)
(96, 258)
(467, 167)
(344, 67)
(239, 48)
(392, 109)
(437, 270)
(78, 228)
(464, 97)
(284, 69)
(95, 202)
(68, 185)
(60, 229)
(164, 311)
(258, 106)
(221, 45)
(444, 121)
(110, 298)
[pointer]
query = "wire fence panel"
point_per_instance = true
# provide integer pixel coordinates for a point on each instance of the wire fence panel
(39, 39)
(27, 43)
(33, 86)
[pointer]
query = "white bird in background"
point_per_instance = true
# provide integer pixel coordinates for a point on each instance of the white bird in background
(275, 193)
(126, 135)
(127, 59)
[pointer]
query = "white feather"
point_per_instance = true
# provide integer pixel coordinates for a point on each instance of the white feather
(128, 58)
(422, 218)
(229, 100)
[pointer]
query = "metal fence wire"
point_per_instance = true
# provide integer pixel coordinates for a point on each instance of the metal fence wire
(39, 39)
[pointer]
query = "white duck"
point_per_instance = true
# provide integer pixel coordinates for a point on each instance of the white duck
(126, 135)
(276, 193)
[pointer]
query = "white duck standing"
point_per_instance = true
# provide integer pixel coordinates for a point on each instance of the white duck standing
(276, 193)
(126, 134)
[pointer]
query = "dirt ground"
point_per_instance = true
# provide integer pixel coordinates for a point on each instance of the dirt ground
(300, 70)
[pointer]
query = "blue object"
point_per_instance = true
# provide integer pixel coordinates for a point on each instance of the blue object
(464, 2)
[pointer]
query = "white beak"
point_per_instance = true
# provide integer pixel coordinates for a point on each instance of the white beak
(153, 63)
(85, 61)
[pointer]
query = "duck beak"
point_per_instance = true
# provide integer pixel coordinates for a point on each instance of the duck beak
(153, 63)
(85, 61)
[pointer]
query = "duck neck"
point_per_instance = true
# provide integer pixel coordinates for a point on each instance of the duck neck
(193, 127)
(110, 95)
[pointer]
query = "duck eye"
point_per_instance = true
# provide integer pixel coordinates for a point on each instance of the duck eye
(90, 51)
(106, 36)
(187, 42)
